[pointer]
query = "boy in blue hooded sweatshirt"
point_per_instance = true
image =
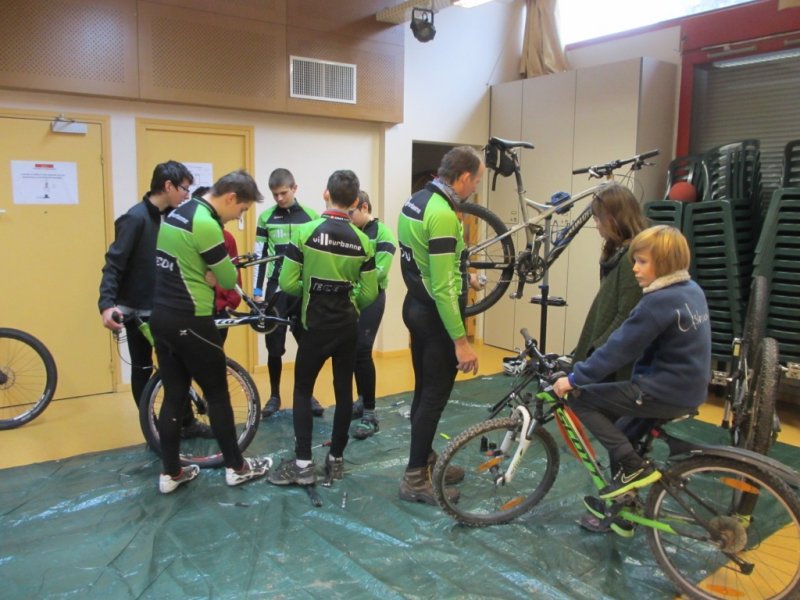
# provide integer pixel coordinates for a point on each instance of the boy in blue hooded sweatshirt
(668, 334)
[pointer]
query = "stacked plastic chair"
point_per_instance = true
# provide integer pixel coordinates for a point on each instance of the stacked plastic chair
(778, 259)
(690, 169)
(709, 229)
(734, 172)
(791, 165)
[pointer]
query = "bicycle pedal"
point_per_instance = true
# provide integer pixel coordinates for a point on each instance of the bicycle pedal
(628, 498)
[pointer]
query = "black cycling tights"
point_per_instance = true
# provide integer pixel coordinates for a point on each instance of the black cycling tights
(190, 348)
(433, 355)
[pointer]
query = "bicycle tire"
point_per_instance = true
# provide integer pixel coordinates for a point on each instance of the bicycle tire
(495, 262)
(755, 321)
(205, 453)
(699, 559)
(758, 421)
(482, 502)
(28, 377)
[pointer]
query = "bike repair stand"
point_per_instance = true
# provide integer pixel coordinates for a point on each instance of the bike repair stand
(545, 300)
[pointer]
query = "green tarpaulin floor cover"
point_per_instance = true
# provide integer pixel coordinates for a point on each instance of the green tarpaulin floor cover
(95, 526)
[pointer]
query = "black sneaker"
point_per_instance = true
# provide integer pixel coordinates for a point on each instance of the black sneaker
(625, 481)
(597, 521)
(272, 406)
(334, 469)
(316, 408)
(197, 429)
(288, 473)
(366, 428)
(358, 408)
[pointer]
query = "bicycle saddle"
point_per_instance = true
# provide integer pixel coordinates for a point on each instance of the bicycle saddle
(507, 144)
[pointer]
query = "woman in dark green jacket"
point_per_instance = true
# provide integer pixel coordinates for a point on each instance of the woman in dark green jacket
(619, 218)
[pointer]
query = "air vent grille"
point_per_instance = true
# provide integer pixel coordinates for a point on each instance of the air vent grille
(322, 80)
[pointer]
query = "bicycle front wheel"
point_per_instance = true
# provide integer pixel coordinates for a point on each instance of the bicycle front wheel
(28, 378)
(487, 497)
(736, 530)
(494, 261)
(205, 453)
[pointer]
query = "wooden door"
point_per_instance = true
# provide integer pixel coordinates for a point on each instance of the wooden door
(52, 243)
(213, 150)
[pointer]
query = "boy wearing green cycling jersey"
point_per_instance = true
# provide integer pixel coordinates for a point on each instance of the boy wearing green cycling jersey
(370, 319)
(331, 265)
(276, 228)
(190, 260)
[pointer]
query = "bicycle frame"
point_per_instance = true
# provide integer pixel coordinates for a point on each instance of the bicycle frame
(578, 443)
(258, 318)
(533, 263)
(573, 434)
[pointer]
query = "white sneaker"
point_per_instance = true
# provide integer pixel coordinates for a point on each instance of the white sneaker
(168, 483)
(254, 467)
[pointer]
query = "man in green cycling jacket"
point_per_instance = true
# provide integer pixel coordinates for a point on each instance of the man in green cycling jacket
(190, 260)
(433, 263)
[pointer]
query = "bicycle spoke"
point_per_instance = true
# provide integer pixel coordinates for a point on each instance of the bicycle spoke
(487, 494)
(27, 378)
(738, 531)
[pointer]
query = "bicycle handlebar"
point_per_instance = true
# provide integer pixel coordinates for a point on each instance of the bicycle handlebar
(600, 171)
(251, 259)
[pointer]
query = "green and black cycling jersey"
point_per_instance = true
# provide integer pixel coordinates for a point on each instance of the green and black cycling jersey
(332, 266)
(433, 256)
(385, 247)
(275, 230)
(190, 243)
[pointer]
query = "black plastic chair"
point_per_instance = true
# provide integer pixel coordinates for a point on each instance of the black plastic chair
(791, 165)
(691, 169)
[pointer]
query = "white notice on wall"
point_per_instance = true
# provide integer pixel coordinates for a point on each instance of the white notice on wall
(203, 174)
(44, 182)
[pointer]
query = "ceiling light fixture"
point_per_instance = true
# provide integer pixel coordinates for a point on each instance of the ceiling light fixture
(422, 24)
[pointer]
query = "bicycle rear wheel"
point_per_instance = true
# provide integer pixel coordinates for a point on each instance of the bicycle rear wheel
(495, 260)
(758, 430)
(755, 322)
(205, 453)
(719, 548)
(28, 377)
(477, 450)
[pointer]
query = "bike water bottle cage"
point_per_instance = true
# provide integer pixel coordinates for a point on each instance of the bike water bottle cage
(560, 198)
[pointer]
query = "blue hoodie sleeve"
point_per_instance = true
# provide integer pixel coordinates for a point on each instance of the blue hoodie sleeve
(624, 346)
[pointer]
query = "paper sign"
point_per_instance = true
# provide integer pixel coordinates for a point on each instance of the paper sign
(203, 174)
(44, 182)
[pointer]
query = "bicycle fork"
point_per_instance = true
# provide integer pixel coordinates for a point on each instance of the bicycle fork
(512, 435)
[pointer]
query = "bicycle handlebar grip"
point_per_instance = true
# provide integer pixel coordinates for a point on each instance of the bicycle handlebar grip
(117, 317)
(581, 171)
(526, 336)
(650, 154)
